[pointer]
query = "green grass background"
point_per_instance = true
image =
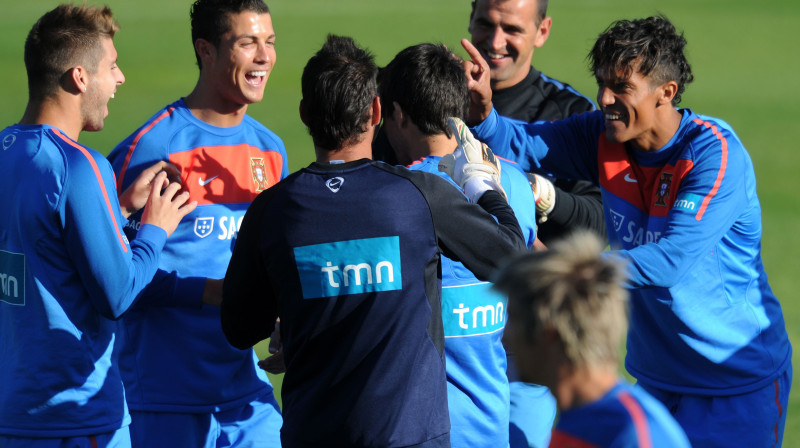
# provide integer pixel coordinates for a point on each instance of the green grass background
(744, 55)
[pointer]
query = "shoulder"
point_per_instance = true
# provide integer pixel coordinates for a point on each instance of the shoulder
(567, 97)
(264, 133)
(155, 130)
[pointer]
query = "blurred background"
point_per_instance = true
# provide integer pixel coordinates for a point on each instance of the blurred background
(744, 55)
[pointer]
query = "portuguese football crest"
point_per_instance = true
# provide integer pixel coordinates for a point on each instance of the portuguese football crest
(259, 172)
(663, 189)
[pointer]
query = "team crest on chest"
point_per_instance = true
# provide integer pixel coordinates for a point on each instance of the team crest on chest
(259, 172)
(664, 184)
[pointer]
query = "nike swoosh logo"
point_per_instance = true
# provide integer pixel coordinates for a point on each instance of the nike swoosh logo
(628, 178)
(203, 183)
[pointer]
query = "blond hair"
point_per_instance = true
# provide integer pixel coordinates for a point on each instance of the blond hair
(573, 291)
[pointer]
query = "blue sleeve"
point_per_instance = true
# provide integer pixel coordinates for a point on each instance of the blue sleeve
(567, 148)
(721, 184)
(167, 289)
(113, 271)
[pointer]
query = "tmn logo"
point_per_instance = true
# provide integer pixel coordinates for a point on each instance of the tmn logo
(349, 267)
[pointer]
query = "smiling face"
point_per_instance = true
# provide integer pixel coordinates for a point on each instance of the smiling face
(635, 110)
(506, 32)
(240, 66)
(100, 88)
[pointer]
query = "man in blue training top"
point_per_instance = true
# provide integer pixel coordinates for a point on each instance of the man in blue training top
(186, 385)
(566, 322)
(707, 334)
(420, 89)
(67, 269)
(347, 251)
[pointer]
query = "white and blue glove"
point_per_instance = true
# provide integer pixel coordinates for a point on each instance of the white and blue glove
(472, 165)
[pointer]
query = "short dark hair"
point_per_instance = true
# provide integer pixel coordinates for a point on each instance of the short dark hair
(339, 85)
(541, 9)
(651, 46)
(429, 83)
(62, 38)
(210, 19)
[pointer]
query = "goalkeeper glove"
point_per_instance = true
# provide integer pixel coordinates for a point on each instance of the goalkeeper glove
(472, 165)
(544, 193)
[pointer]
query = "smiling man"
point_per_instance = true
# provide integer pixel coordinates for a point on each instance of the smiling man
(186, 385)
(707, 334)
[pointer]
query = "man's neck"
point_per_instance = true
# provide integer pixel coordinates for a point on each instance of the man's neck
(59, 112)
(584, 386)
(360, 150)
(206, 105)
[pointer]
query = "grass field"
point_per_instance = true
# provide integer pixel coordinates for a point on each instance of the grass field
(744, 56)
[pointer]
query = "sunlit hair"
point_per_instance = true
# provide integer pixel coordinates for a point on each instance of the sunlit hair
(211, 19)
(339, 85)
(429, 84)
(651, 46)
(65, 37)
(575, 293)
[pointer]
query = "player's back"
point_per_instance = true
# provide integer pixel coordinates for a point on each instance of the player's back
(362, 338)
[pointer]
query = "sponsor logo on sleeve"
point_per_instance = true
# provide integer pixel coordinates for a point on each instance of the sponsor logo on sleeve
(349, 267)
(12, 278)
(472, 310)
(688, 202)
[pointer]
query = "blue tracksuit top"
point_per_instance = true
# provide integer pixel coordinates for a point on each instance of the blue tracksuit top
(178, 360)
(625, 417)
(687, 220)
(67, 270)
(474, 318)
(349, 256)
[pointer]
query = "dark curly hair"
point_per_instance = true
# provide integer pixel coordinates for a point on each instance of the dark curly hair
(651, 46)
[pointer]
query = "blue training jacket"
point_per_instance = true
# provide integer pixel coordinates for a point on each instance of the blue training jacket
(687, 220)
(67, 270)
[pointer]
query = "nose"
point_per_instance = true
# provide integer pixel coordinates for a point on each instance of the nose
(605, 96)
(264, 53)
(120, 76)
(498, 38)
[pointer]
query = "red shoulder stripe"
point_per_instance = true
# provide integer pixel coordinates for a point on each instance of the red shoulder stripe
(723, 166)
(639, 419)
(135, 141)
(100, 181)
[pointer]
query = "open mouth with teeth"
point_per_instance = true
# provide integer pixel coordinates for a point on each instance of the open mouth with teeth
(256, 77)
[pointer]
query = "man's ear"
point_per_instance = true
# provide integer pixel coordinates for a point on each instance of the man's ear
(376, 111)
(668, 90)
(303, 113)
(543, 32)
(205, 50)
(77, 80)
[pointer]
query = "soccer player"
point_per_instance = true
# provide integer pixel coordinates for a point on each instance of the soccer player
(186, 386)
(348, 253)
(420, 89)
(566, 323)
(67, 269)
(506, 32)
(707, 334)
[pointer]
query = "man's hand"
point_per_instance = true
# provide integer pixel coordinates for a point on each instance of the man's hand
(472, 166)
(479, 83)
(274, 364)
(544, 193)
(135, 196)
(212, 293)
(166, 209)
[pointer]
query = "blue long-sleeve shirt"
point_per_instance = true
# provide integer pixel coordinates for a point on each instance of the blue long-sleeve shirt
(687, 220)
(67, 270)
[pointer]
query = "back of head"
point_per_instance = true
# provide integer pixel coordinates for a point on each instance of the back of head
(210, 19)
(651, 46)
(64, 38)
(572, 291)
(428, 83)
(339, 85)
